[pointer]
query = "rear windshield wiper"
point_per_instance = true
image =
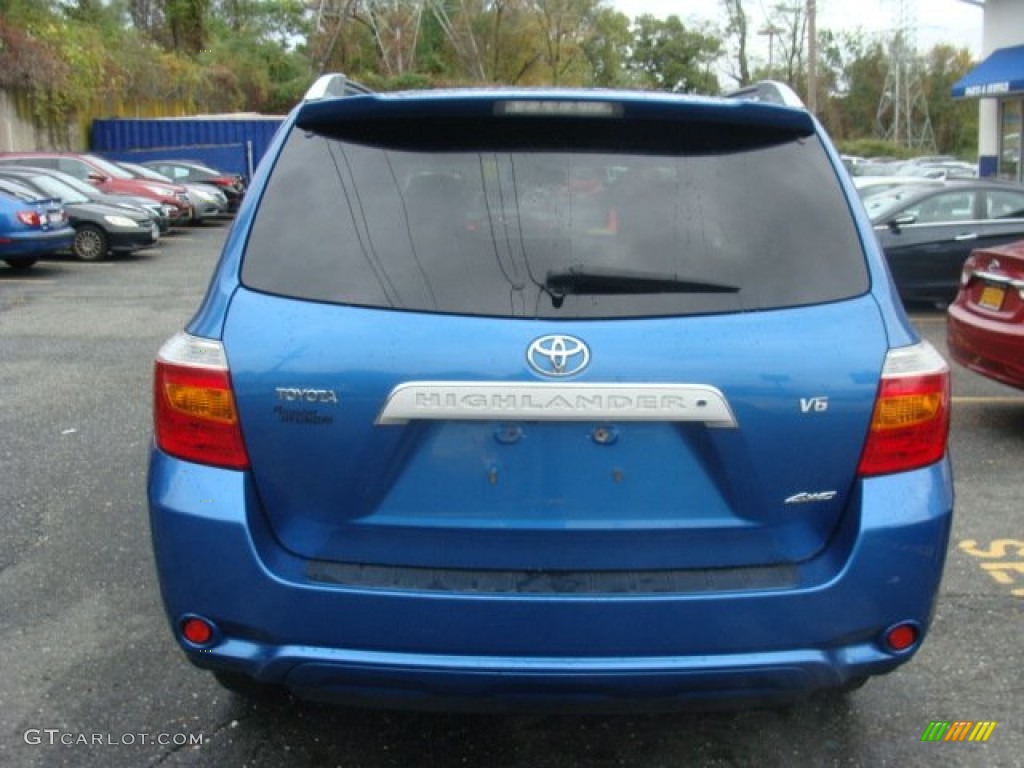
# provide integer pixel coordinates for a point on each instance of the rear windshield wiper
(581, 280)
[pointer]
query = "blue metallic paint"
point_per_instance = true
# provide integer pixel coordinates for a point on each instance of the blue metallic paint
(878, 563)
(19, 241)
(220, 560)
(370, 506)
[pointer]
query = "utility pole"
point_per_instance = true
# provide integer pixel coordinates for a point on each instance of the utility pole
(812, 56)
(771, 31)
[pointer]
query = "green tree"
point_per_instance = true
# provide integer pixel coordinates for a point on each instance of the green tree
(513, 49)
(186, 24)
(285, 22)
(858, 90)
(484, 41)
(954, 123)
(607, 49)
(669, 57)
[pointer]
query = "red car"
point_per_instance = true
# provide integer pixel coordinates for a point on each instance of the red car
(107, 177)
(985, 329)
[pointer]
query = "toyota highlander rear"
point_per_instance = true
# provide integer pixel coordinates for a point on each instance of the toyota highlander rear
(563, 396)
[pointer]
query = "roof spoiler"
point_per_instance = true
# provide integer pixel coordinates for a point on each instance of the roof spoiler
(333, 86)
(769, 91)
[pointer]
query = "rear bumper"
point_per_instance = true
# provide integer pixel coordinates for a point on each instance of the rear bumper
(397, 646)
(33, 244)
(990, 347)
(467, 683)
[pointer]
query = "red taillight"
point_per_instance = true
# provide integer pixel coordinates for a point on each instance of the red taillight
(29, 218)
(194, 410)
(910, 423)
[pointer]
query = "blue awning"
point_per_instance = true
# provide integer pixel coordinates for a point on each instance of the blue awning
(1000, 74)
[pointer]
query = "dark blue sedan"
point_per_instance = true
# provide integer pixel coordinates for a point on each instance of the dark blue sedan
(927, 233)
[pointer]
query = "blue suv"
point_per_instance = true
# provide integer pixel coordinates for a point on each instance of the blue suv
(580, 398)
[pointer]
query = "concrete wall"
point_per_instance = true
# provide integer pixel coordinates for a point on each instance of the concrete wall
(19, 134)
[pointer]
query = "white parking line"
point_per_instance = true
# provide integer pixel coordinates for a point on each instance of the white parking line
(33, 280)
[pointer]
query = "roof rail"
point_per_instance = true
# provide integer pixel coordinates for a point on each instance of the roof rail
(333, 86)
(770, 91)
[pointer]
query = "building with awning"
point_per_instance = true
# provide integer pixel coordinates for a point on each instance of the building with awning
(1000, 74)
(998, 82)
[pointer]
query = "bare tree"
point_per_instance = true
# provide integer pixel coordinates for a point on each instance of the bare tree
(793, 21)
(737, 28)
(564, 26)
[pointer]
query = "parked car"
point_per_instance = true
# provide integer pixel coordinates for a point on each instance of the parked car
(186, 171)
(107, 177)
(939, 169)
(30, 226)
(869, 186)
(927, 235)
(159, 212)
(495, 400)
(206, 200)
(99, 229)
(985, 329)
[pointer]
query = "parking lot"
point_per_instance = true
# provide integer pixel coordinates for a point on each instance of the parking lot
(91, 675)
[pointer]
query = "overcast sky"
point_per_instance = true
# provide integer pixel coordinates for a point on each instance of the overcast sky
(948, 21)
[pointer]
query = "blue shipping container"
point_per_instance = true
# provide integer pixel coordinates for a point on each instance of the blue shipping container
(232, 144)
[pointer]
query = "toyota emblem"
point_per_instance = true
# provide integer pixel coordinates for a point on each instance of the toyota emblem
(557, 356)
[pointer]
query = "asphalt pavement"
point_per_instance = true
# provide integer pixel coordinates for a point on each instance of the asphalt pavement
(91, 676)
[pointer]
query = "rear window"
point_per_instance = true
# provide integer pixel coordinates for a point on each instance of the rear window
(524, 226)
(109, 168)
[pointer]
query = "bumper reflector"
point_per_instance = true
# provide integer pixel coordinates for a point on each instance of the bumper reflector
(196, 631)
(901, 637)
